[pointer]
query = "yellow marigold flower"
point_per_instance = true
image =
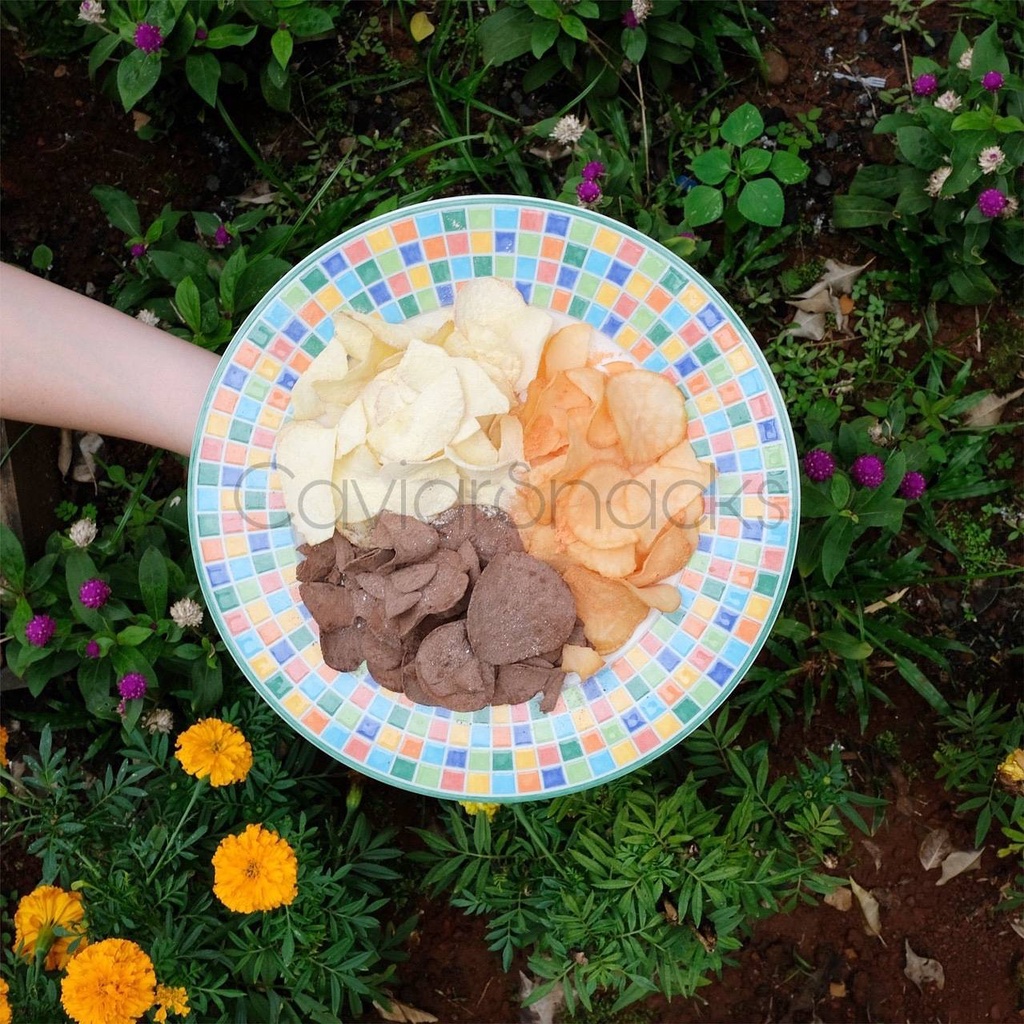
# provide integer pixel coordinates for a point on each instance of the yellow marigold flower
(109, 982)
(1011, 772)
(255, 871)
(38, 916)
(170, 1000)
(471, 807)
(215, 748)
(3, 745)
(5, 1006)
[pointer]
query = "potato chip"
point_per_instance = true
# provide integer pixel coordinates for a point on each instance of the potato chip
(610, 611)
(482, 396)
(672, 549)
(353, 336)
(615, 563)
(566, 349)
(305, 463)
(584, 661)
(401, 335)
(661, 596)
(423, 427)
(350, 430)
(331, 364)
(649, 413)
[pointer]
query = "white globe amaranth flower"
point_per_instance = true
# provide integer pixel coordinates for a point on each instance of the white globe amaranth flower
(1011, 207)
(948, 101)
(568, 130)
(937, 179)
(159, 720)
(991, 159)
(82, 533)
(641, 8)
(91, 12)
(964, 63)
(186, 613)
(148, 317)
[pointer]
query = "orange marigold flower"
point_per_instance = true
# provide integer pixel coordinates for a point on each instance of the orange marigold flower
(170, 1000)
(5, 1006)
(3, 745)
(40, 913)
(256, 870)
(109, 982)
(216, 749)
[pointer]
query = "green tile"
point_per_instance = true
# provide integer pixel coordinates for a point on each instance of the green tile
(368, 272)
(541, 296)
(300, 638)
(528, 243)
(570, 750)
(774, 456)
(686, 709)
(226, 600)
(573, 697)
(440, 272)
(328, 702)
(719, 372)
(738, 414)
(408, 305)
(314, 280)
(208, 474)
(578, 307)
(713, 588)
(483, 266)
(349, 715)
(505, 266)
(313, 346)
(362, 303)
(642, 318)
(240, 431)
(279, 686)
(766, 583)
(662, 628)
(502, 760)
(390, 262)
(705, 692)
(264, 562)
(260, 335)
(255, 500)
(399, 716)
(582, 231)
(587, 285)
(209, 525)
(658, 333)
(714, 638)
(403, 769)
(248, 590)
(543, 732)
(277, 518)
(480, 217)
(578, 771)
(706, 352)
(258, 387)
(653, 266)
(428, 300)
(418, 724)
(748, 553)
(613, 732)
(652, 675)
(673, 282)
(636, 688)
(295, 297)
(479, 761)
(428, 776)
(454, 220)
(575, 255)
(777, 483)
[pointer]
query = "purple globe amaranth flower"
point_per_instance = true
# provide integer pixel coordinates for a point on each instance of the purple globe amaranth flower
(94, 593)
(148, 38)
(39, 630)
(588, 191)
(992, 202)
(92, 650)
(913, 486)
(132, 686)
(221, 236)
(138, 250)
(819, 465)
(925, 85)
(593, 170)
(630, 20)
(993, 81)
(201, 34)
(868, 471)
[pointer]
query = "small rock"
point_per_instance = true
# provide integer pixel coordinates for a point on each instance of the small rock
(862, 36)
(823, 177)
(775, 69)
(832, 140)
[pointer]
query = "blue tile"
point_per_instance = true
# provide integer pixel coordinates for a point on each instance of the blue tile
(380, 759)
(380, 293)
(248, 409)
(522, 734)
(503, 784)
(230, 476)
(296, 330)
(721, 673)
(335, 736)
(597, 262)
(525, 289)
(282, 651)
(445, 294)
(506, 217)
(769, 430)
(462, 268)
(334, 264)
(259, 541)
(612, 325)
(710, 316)
(455, 759)
(726, 463)
(552, 777)
(601, 763)
(504, 241)
(751, 529)
(567, 277)
(235, 377)
(686, 366)
(411, 253)
(668, 659)
(433, 753)
(725, 619)
(217, 574)
(429, 224)
(591, 689)
(557, 224)
(633, 720)
(619, 272)
(312, 686)
(277, 314)
(368, 727)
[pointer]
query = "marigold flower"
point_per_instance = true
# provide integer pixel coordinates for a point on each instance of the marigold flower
(4, 737)
(593, 170)
(991, 159)
(94, 593)
(256, 870)
(819, 465)
(110, 982)
(91, 12)
(993, 81)
(39, 630)
(216, 749)
(186, 613)
(148, 38)
(82, 533)
(937, 179)
(913, 486)
(948, 101)
(132, 686)
(992, 202)
(472, 807)
(568, 130)
(148, 317)
(588, 191)
(925, 85)
(42, 911)
(170, 1000)
(5, 1006)
(964, 63)
(868, 471)
(92, 649)
(1010, 773)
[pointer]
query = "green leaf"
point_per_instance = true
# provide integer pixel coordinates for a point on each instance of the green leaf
(308, 20)
(754, 161)
(189, 304)
(543, 37)
(281, 45)
(854, 212)
(920, 148)
(840, 642)
(257, 279)
(119, 207)
(762, 202)
(743, 125)
(101, 52)
(132, 636)
(972, 120)
(136, 75)
(836, 548)
(972, 286)
(95, 681)
(203, 73)
(840, 490)
(153, 582)
(505, 35)
(702, 205)
(789, 169)
(712, 166)
(79, 568)
(1009, 124)
(634, 44)
(229, 278)
(12, 559)
(230, 35)
(206, 684)
(988, 52)
(920, 682)
(572, 26)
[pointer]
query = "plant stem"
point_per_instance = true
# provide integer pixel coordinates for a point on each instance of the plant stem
(169, 846)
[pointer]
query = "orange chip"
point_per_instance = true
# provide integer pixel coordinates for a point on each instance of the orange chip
(649, 413)
(662, 596)
(584, 661)
(609, 609)
(615, 563)
(566, 349)
(591, 507)
(671, 550)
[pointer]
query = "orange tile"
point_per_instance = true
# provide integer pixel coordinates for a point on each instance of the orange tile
(404, 231)
(529, 782)
(316, 721)
(433, 248)
(312, 313)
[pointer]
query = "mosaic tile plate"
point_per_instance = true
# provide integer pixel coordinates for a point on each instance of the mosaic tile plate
(667, 318)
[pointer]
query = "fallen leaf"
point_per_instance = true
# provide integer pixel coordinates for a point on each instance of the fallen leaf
(85, 467)
(840, 899)
(921, 970)
(838, 278)
(400, 1013)
(544, 1010)
(64, 451)
(869, 908)
(837, 989)
(874, 850)
(807, 325)
(989, 411)
(420, 26)
(140, 120)
(934, 848)
(958, 862)
(257, 194)
(879, 606)
(819, 302)
(671, 914)
(1018, 926)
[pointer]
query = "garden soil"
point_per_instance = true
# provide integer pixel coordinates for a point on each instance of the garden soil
(61, 137)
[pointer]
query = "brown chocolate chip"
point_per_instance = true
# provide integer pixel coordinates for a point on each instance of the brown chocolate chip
(409, 538)
(413, 577)
(489, 529)
(317, 564)
(343, 648)
(518, 683)
(331, 606)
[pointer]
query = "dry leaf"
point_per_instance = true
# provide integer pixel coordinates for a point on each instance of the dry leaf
(934, 848)
(958, 862)
(807, 325)
(879, 606)
(257, 194)
(420, 26)
(544, 1010)
(841, 899)
(838, 278)
(85, 467)
(1018, 926)
(671, 914)
(400, 1013)
(920, 970)
(837, 989)
(869, 908)
(819, 302)
(989, 411)
(64, 452)
(140, 120)
(874, 850)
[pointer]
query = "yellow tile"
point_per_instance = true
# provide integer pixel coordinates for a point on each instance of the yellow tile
(478, 783)
(607, 241)
(419, 276)
(271, 419)
(672, 348)
(501, 715)
(685, 675)
(758, 606)
(263, 666)
(526, 759)
(230, 501)
(627, 336)
(381, 241)
(297, 703)
(289, 619)
(708, 402)
(268, 368)
(624, 752)
(667, 725)
(389, 737)
(329, 297)
(259, 611)
(607, 295)
(638, 285)
(693, 298)
(740, 359)
(621, 699)
(745, 436)
(217, 424)
(704, 607)
(583, 720)
(458, 735)
(754, 507)
(481, 242)
(235, 546)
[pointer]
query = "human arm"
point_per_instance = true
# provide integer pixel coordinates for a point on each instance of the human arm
(70, 361)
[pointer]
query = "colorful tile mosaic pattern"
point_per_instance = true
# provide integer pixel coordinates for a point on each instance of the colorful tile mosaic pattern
(660, 311)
